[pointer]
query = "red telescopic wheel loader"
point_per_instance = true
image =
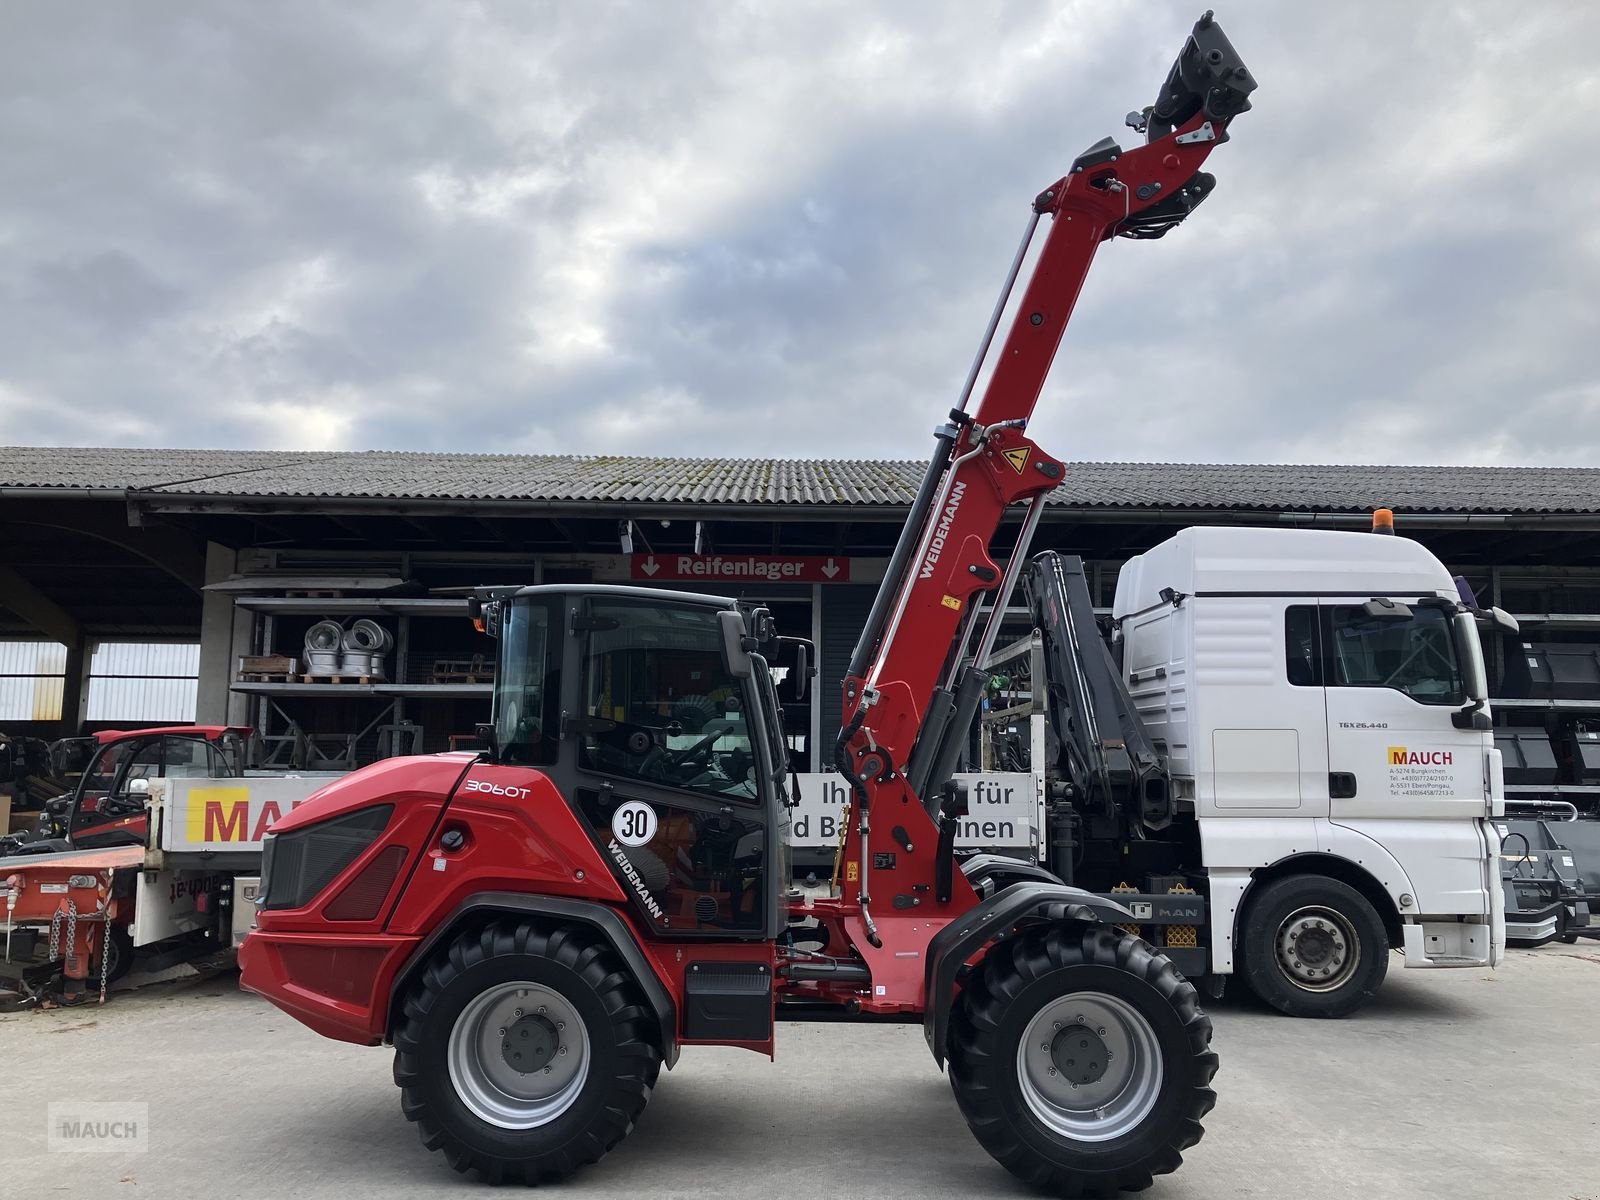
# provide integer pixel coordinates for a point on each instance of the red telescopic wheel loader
(539, 928)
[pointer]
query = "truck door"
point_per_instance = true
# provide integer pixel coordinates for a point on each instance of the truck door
(1393, 683)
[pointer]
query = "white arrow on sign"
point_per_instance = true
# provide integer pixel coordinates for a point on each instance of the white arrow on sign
(648, 566)
(830, 569)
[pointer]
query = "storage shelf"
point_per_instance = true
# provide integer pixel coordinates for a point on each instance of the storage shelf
(1553, 789)
(397, 606)
(439, 691)
(1559, 620)
(1544, 703)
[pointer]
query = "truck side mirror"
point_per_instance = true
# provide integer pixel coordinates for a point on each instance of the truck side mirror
(1470, 653)
(1504, 621)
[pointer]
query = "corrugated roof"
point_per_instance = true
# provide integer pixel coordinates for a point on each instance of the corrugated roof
(787, 482)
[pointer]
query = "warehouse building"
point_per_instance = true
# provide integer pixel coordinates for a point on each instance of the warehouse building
(141, 577)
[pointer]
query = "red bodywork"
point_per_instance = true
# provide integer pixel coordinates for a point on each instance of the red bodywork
(338, 977)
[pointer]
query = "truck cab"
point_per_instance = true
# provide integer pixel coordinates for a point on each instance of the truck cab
(1319, 699)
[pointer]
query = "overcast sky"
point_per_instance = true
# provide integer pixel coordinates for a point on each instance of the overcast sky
(777, 228)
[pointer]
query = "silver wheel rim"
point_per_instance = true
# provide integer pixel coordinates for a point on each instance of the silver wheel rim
(1317, 948)
(505, 1028)
(1090, 1066)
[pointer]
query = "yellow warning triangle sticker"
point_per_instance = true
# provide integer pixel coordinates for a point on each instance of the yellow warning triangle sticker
(1017, 456)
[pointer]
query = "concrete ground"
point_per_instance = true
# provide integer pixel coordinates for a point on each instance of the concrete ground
(1454, 1084)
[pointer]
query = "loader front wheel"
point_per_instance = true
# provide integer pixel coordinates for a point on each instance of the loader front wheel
(1081, 1060)
(525, 1052)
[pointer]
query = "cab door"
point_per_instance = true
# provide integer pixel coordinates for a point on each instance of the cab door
(1401, 775)
(669, 767)
(1393, 683)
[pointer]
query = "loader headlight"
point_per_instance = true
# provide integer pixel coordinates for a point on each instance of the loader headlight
(297, 865)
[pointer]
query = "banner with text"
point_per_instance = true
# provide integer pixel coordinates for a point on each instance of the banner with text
(738, 568)
(1000, 813)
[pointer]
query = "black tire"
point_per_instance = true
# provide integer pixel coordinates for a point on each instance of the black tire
(1025, 979)
(618, 1039)
(1564, 930)
(1332, 928)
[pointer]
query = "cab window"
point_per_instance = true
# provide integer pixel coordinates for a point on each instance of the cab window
(527, 686)
(189, 758)
(1302, 655)
(1415, 655)
(658, 705)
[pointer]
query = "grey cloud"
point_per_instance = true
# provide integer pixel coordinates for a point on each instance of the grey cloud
(753, 229)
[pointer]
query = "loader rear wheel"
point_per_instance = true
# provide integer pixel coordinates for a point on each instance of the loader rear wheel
(1081, 1060)
(1313, 947)
(525, 1052)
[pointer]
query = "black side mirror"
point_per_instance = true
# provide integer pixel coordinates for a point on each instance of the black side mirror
(794, 656)
(1380, 608)
(491, 743)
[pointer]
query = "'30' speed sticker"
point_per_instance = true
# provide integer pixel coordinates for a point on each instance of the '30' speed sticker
(634, 823)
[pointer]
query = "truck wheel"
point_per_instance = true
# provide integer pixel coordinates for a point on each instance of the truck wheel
(524, 1053)
(1313, 947)
(1081, 1060)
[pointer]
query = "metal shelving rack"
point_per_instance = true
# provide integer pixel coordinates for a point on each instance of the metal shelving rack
(392, 717)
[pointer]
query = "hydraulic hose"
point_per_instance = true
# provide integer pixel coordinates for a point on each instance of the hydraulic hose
(863, 801)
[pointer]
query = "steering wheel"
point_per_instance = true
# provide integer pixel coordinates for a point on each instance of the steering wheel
(676, 758)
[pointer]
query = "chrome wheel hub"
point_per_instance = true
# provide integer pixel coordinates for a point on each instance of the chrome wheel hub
(1317, 949)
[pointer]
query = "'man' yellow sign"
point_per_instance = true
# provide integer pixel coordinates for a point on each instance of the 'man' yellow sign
(219, 814)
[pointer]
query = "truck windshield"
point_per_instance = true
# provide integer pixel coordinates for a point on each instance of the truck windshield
(526, 686)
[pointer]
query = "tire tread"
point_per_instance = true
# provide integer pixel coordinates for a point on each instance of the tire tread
(978, 1061)
(637, 1048)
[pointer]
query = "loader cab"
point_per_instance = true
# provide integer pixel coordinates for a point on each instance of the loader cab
(656, 715)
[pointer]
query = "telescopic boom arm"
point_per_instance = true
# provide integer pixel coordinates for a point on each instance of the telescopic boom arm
(910, 693)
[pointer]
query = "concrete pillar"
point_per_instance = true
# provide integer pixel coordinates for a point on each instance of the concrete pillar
(224, 635)
(75, 687)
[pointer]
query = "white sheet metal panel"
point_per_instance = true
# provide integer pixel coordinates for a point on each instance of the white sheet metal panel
(31, 680)
(144, 681)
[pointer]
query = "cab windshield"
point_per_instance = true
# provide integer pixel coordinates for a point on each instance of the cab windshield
(660, 706)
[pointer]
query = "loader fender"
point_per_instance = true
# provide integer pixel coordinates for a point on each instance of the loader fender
(597, 917)
(992, 872)
(1027, 903)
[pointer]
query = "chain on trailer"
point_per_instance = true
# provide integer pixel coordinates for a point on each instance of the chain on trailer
(105, 952)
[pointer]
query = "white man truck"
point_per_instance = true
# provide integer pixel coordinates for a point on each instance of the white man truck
(1280, 760)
